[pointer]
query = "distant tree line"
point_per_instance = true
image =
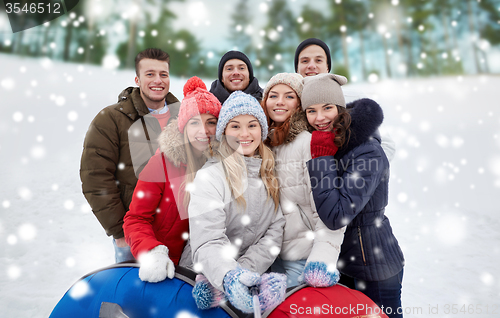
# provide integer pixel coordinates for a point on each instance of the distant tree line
(388, 38)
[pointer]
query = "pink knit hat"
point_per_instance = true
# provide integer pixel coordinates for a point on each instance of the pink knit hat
(197, 100)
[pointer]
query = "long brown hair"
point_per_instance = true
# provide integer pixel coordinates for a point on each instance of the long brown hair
(280, 133)
(341, 126)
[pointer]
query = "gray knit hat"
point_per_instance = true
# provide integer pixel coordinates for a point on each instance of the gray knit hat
(239, 103)
(294, 80)
(323, 89)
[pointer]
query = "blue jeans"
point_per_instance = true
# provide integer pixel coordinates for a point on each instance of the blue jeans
(385, 293)
(292, 270)
(123, 254)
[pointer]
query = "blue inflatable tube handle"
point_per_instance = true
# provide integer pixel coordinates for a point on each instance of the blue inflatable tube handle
(111, 310)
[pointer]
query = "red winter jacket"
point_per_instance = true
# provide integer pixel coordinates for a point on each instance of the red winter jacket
(154, 217)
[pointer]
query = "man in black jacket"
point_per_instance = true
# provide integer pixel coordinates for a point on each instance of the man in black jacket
(235, 74)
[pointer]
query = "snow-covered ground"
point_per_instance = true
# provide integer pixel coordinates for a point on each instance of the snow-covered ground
(445, 180)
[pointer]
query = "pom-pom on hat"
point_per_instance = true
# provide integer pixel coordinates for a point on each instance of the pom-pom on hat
(235, 55)
(323, 89)
(197, 100)
(313, 41)
(239, 103)
(293, 80)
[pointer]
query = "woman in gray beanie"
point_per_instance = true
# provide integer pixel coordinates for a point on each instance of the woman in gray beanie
(349, 175)
(307, 242)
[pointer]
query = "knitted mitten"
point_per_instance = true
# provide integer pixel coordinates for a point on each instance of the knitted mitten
(317, 274)
(205, 295)
(272, 290)
(322, 144)
(236, 287)
(155, 265)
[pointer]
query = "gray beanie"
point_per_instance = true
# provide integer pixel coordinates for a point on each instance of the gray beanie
(323, 89)
(239, 103)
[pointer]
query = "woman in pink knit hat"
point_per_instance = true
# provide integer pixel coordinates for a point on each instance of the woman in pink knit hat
(156, 226)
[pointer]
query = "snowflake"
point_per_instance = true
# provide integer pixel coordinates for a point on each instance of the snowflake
(80, 290)
(245, 219)
(12, 239)
(185, 314)
(310, 235)
(14, 272)
(70, 262)
(198, 267)
(229, 252)
(17, 117)
(72, 116)
(25, 193)
(27, 232)
(8, 84)
(274, 250)
(487, 279)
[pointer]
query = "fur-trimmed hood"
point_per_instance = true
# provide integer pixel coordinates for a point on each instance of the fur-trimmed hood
(298, 124)
(366, 117)
(171, 143)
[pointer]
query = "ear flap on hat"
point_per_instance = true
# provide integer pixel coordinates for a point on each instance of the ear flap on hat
(342, 80)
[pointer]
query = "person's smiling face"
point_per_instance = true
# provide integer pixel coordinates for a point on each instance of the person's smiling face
(321, 116)
(235, 75)
(244, 134)
(281, 103)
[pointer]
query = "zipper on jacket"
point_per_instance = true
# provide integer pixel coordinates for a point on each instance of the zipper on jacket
(361, 243)
(305, 219)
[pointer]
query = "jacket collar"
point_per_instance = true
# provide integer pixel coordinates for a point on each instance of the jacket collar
(366, 117)
(131, 103)
(222, 94)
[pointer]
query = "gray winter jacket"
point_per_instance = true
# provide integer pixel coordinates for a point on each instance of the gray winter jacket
(222, 233)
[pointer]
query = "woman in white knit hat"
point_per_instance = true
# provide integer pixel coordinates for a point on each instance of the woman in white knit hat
(349, 174)
(307, 242)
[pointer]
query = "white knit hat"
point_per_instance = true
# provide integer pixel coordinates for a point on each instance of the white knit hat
(323, 89)
(293, 80)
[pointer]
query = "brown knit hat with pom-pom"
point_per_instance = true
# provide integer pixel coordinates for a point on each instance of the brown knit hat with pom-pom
(197, 100)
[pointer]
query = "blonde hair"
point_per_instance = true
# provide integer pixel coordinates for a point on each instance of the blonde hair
(193, 164)
(234, 163)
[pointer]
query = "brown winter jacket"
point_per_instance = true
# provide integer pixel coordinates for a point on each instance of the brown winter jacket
(106, 169)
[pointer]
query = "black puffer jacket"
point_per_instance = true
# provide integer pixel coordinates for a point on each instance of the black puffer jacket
(351, 189)
(222, 94)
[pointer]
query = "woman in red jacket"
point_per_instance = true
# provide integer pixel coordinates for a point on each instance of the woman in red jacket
(156, 225)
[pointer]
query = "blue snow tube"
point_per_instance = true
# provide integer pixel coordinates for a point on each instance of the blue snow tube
(117, 291)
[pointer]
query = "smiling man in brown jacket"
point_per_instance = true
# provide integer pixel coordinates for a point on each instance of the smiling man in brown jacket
(120, 141)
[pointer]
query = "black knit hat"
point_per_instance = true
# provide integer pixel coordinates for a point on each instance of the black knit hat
(313, 41)
(235, 55)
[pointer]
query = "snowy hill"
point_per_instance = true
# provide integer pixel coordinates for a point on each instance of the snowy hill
(444, 182)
